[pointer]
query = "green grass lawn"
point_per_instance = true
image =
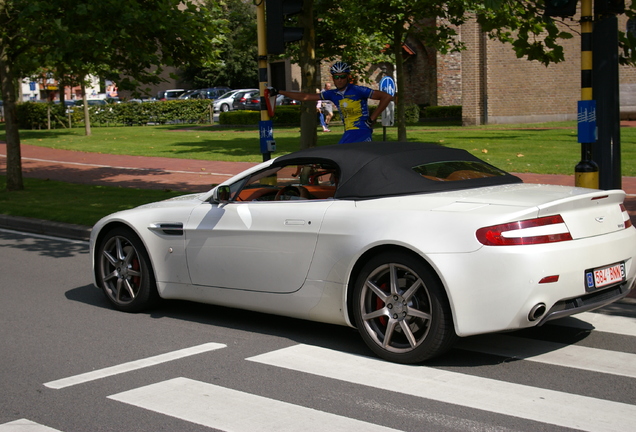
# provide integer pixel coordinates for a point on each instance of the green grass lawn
(73, 203)
(549, 148)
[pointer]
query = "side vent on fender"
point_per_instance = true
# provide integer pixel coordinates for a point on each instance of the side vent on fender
(168, 228)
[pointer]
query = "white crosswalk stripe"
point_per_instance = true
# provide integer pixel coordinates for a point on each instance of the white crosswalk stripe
(600, 322)
(532, 403)
(226, 409)
(236, 411)
(572, 356)
(24, 425)
(130, 366)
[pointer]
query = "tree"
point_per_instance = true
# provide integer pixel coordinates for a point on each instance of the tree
(25, 34)
(237, 66)
(130, 41)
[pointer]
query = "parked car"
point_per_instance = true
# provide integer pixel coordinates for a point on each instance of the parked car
(206, 93)
(142, 99)
(67, 102)
(253, 101)
(224, 103)
(215, 92)
(414, 244)
(91, 102)
(187, 94)
(284, 100)
(169, 94)
(241, 97)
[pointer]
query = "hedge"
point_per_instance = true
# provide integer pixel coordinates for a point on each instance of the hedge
(32, 115)
(284, 115)
(442, 111)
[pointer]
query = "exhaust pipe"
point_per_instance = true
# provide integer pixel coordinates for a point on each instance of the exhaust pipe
(536, 312)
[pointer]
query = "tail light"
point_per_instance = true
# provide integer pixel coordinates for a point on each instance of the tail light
(626, 218)
(549, 229)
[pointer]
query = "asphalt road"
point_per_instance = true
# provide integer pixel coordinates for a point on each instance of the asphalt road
(71, 363)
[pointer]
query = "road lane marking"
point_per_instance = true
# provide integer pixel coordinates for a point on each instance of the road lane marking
(43, 236)
(600, 322)
(231, 410)
(571, 356)
(532, 403)
(24, 425)
(133, 365)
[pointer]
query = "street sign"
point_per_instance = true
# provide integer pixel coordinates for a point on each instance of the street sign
(387, 85)
(587, 131)
(266, 132)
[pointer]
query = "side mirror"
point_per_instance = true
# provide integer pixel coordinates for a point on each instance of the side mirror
(221, 194)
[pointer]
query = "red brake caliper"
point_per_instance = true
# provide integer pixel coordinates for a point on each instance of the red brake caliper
(135, 266)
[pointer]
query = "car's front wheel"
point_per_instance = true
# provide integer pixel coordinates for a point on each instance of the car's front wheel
(225, 108)
(124, 272)
(401, 309)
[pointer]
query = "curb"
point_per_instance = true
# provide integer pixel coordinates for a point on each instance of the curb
(44, 227)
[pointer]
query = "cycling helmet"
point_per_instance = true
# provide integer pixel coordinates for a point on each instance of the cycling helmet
(339, 67)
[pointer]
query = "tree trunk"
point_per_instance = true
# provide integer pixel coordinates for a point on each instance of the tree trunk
(87, 117)
(399, 72)
(307, 60)
(14, 158)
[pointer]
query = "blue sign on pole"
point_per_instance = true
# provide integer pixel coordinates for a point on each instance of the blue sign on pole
(587, 130)
(266, 132)
(387, 85)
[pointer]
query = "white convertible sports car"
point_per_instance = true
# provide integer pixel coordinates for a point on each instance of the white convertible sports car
(413, 244)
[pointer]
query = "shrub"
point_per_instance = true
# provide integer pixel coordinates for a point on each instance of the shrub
(34, 115)
(411, 113)
(442, 111)
(284, 115)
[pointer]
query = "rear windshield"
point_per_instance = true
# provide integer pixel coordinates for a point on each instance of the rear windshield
(457, 170)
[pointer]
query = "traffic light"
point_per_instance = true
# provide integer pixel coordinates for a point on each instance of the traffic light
(607, 7)
(560, 8)
(277, 13)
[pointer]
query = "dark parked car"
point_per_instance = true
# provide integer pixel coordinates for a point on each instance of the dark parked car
(169, 94)
(206, 93)
(247, 99)
(253, 101)
(284, 100)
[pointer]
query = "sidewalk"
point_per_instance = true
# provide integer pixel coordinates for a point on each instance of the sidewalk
(167, 173)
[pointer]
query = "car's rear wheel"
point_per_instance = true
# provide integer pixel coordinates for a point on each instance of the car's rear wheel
(401, 309)
(124, 272)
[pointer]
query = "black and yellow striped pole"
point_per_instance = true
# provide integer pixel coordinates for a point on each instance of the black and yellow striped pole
(266, 130)
(586, 171)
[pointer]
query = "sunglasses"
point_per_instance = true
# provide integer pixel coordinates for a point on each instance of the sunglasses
(344, 76)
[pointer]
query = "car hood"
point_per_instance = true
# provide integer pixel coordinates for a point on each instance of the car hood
(179, 201)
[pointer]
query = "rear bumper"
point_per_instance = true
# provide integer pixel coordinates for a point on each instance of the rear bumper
(588, 302)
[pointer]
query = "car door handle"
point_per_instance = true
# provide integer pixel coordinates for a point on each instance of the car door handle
(295, 222)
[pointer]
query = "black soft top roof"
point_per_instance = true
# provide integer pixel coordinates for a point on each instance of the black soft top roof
(377, 169)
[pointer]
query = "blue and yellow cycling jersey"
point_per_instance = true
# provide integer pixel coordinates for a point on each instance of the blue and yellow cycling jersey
(354, 110)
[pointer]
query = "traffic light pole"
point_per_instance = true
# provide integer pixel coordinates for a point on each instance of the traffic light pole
(266, 129)
(586, 171)
(606, 150)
